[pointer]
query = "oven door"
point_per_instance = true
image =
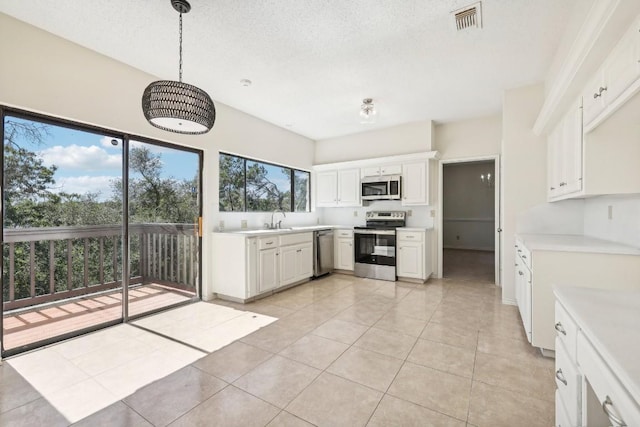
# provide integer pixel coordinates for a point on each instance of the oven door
(375, 247)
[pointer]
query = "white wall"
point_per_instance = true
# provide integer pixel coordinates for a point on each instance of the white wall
(469, 138)
(44, 73)
(524, 170)
(624, 225)
(403, 139)
(468, 206)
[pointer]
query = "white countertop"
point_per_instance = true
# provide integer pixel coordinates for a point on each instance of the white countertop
(575, 243)
(286, 230)
(611, 322)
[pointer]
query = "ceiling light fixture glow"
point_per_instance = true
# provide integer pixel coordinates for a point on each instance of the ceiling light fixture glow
(176, 106)
(367, 111)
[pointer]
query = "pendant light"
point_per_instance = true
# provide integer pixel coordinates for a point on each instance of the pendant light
(176, 106)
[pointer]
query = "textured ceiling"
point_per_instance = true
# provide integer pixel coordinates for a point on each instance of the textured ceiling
(312, 62)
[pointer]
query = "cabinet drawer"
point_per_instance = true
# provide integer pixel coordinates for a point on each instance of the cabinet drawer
(562, 419)
(569, 383)
(605, 384)
(268, 242)
(344, 233)
(410, 236)
(296, 238)
(566, 330)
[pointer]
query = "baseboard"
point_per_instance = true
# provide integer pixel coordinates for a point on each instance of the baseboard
(509, 301)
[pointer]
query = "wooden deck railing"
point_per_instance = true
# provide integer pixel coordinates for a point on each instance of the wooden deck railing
(47, 264)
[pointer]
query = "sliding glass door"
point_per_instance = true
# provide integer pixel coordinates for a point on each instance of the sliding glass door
(164, 212)
(62, 232)
(78, 205)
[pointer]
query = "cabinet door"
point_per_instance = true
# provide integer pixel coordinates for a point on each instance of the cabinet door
(592, 99)
(288, 261)
(622, 67)
(344, 254)
(410, 260)
(304, 262)
(326, 189)
(415, 183)
(370, 171)
(349, 187)
(268, 267)
(554, 161)
(572, 151)
(391, 170)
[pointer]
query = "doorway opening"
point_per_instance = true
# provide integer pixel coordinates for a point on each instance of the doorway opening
(469, 221)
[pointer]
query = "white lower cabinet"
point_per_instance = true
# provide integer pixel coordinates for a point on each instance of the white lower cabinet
(343, 249)
(268, 269)
(247, 266)
(589, 393)
(413, 259)
(574, 263)
(296, 263)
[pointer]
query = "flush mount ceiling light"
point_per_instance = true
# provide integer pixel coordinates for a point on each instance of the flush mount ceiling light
(176, 106)
(367, 111)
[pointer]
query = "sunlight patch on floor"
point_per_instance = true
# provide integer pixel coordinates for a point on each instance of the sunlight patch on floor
(83, 375)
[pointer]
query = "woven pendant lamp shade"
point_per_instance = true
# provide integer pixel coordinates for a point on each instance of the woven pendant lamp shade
(178, 107)
(175, 106)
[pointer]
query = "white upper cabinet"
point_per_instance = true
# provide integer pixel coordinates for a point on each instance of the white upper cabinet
(565, 151)
(326, 189)
(615, 82)
(381, 170)
(349, 187)
(415, 183)
(338, 188)
(338, 184)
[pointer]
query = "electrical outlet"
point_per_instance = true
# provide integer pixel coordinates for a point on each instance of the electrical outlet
(409, 212)
(610, 212)
(221, 225)
(318, 221)
(243, 223)
(355, 213)
(433, 213)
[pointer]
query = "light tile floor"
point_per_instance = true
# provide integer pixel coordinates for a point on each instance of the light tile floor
(81, 376)
(345, 351)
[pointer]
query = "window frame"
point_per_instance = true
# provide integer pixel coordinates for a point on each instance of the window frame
(292, 171)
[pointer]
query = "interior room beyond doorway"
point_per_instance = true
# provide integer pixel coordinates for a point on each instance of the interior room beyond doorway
(469, 220)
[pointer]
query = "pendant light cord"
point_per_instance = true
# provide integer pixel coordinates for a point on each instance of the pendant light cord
(180, 51)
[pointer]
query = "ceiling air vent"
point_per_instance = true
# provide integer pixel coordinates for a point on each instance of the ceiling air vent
(468, 17)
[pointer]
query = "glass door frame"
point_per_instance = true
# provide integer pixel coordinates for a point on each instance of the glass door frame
(125, 267)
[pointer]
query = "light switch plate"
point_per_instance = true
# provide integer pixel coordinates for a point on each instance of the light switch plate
(221, 225)
(243, 223)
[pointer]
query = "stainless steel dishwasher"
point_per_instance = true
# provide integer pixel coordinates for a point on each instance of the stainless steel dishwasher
(322, 252)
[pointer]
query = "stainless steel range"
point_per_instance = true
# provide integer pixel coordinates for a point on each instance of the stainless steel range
(375, 245)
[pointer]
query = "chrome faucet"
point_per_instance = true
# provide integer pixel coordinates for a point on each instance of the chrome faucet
(279, 223)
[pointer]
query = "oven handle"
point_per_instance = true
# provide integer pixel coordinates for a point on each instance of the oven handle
(383, 232)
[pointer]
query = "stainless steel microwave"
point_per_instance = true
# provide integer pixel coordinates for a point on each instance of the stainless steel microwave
(384, 187)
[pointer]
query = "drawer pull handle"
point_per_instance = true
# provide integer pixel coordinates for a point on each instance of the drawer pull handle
(561, 377)
(520, 273)
(524, 256)
(560, 328)
(613, 417)
(269, 243)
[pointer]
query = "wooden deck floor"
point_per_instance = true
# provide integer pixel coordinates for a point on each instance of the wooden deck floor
(36, 325)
